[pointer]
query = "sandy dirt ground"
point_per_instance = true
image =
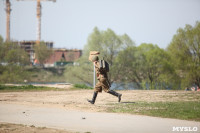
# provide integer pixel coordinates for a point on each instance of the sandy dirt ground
(19, 128)
(77, 100)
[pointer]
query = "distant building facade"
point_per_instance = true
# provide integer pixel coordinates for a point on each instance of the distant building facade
(62, 57)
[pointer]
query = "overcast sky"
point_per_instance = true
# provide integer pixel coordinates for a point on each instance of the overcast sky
(68, 23)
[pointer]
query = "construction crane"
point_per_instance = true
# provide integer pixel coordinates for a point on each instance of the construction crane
(8, 10)
(38, 17)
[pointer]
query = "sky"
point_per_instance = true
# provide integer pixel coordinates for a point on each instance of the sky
(68, 23)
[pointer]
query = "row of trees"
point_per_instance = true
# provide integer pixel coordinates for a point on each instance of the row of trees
(146, 66)
(184, 50)
(14, 61)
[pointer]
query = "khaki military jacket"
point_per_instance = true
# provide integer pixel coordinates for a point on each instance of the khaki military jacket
(100, 74)
(102, 80)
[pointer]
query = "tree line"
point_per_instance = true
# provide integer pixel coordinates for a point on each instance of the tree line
(15, 61)
(147, 66)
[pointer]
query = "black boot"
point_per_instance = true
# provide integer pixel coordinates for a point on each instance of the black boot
(94, 98)
(115, 94)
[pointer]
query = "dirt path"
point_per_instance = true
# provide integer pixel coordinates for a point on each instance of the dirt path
(78, 121)
(70, 110)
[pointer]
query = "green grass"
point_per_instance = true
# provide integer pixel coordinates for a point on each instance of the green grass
(187, 110)
(4, 88)
(80, 86)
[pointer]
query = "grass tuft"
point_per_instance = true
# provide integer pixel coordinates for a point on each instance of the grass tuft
(82, 86)
(187, 110)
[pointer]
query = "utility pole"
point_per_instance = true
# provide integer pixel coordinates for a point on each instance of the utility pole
(92, 54)
(94, 77)
(8, 10)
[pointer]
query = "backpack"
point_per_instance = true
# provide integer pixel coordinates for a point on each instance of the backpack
(103, 65)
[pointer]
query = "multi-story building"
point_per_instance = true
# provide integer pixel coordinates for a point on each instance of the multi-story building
(28, 46)
(59, 57)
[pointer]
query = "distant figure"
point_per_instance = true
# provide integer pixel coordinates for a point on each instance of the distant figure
(187, 89)
(103, 82)
(198, 89)
(193, 88)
